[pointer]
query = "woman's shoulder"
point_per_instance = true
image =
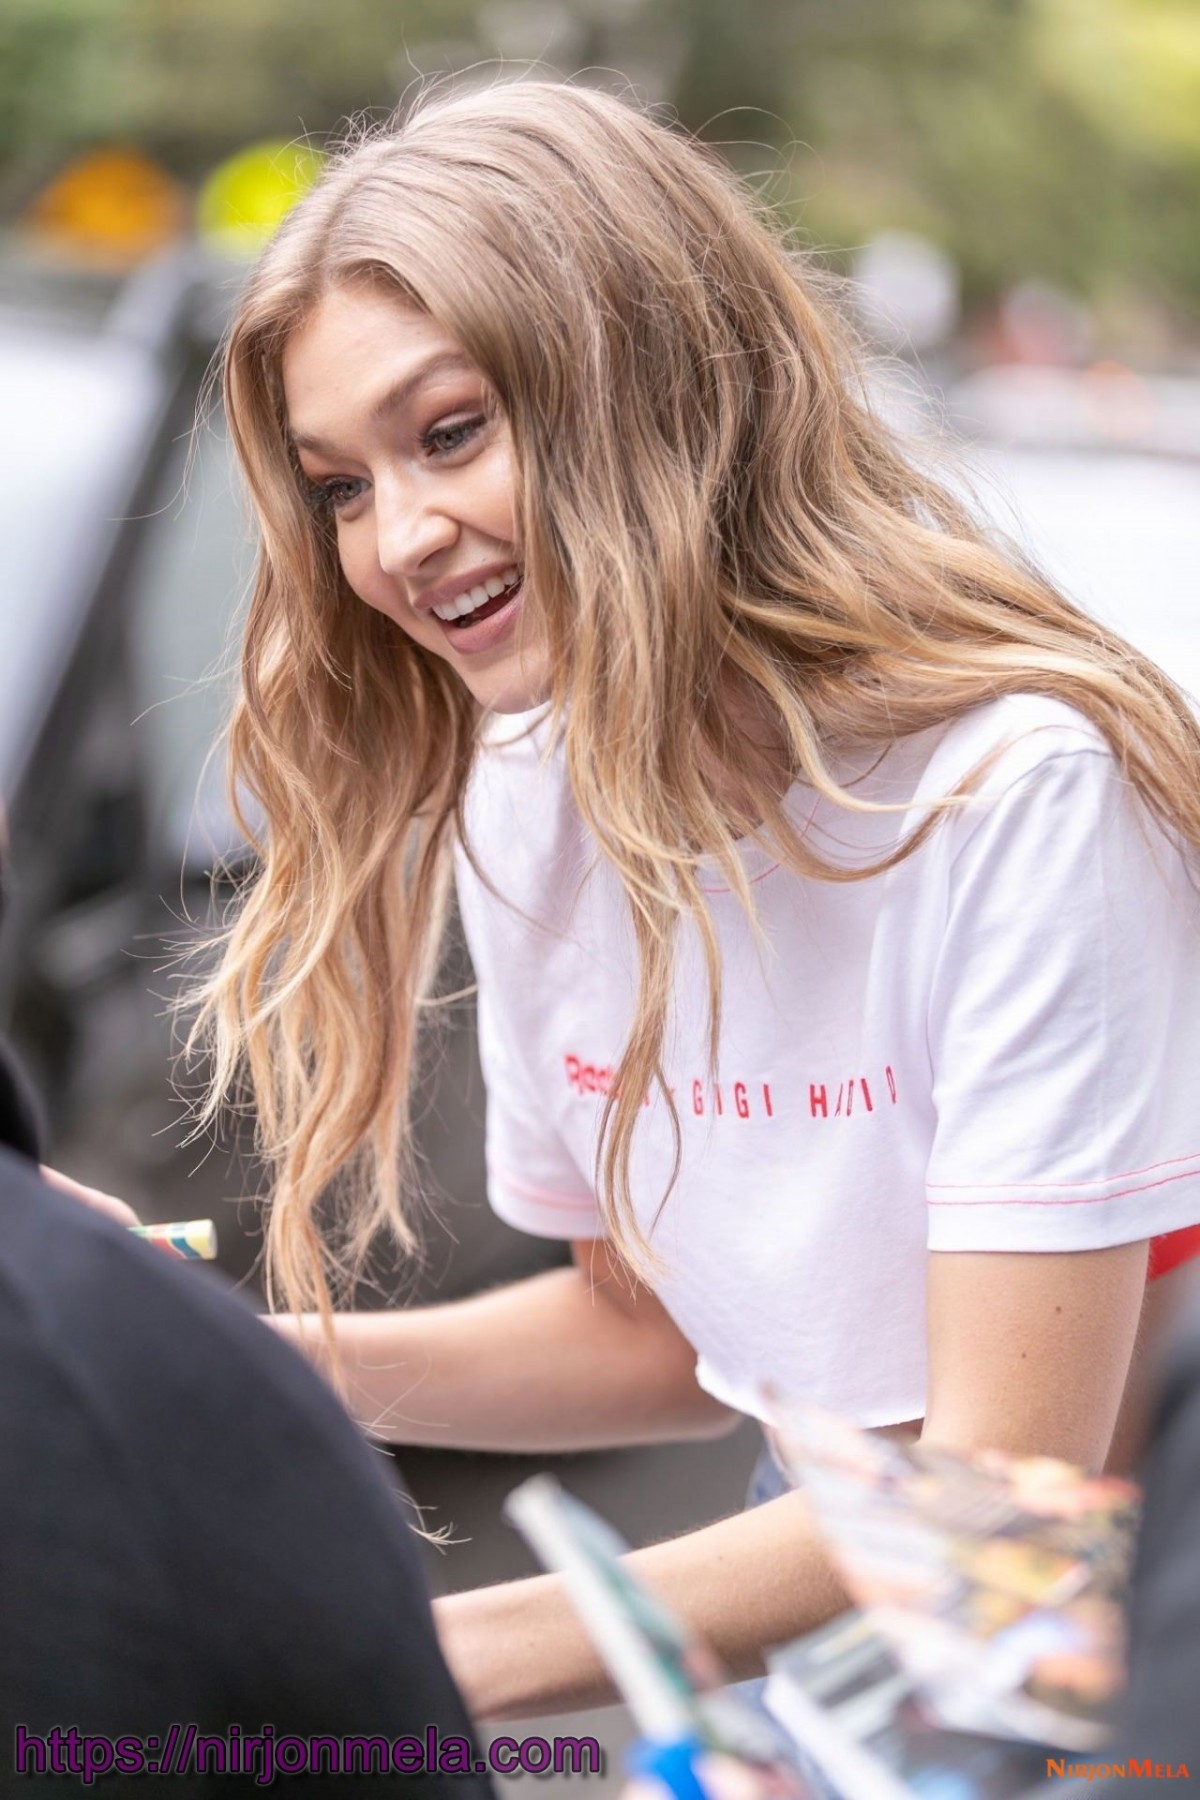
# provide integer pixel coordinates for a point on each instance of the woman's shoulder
(1044, 784)
(984, 749)
(1006, 739)
(986, 752)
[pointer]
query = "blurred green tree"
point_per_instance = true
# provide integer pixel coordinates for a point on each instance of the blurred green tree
(1052, 137)
(1058, 138)
(192, 79)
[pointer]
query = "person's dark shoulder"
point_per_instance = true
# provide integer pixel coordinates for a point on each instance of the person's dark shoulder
(1161, 1720)
(88, 1603)
(156, 1343)
(21, 1125)
(250, 1499)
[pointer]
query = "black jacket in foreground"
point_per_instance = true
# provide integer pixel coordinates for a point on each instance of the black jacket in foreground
(191, 1529)
(1162, 1712)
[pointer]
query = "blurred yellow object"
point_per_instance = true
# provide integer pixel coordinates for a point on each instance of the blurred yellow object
(247, 197)
(114, 206)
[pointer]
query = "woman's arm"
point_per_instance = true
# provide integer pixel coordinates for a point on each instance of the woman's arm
(572, 1359)
(1028, 1353)
(1031, 1352)
(749, 1582)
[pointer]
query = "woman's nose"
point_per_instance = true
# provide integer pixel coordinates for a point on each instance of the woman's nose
(410, 528)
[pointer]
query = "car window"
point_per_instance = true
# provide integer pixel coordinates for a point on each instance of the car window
(191, 582)
(74, 419)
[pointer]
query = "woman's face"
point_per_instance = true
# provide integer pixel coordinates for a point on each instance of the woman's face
(390, 422)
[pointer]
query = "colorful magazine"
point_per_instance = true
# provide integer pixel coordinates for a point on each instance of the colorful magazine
(998, 1582)
(845, 1696)
(988, 1637)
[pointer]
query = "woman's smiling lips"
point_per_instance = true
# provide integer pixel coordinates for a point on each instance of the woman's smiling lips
(486, 633)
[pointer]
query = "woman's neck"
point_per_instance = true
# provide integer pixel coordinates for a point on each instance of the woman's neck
(763, 754)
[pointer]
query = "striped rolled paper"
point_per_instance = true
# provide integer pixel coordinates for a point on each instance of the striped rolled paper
(195, 1239)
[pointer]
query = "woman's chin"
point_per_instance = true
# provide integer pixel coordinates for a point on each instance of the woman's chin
(515, 688)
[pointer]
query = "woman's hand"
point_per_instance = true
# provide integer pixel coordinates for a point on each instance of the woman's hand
(105, 1203)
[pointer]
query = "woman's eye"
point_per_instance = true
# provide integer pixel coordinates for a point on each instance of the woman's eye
(341, 491)
(338, 494)
(444, 440)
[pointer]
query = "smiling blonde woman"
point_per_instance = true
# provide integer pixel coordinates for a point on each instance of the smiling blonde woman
(826, 873)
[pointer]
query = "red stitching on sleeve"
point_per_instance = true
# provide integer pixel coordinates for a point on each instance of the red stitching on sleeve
(1121, 1174)
(544, 1196)
(1082, 1199)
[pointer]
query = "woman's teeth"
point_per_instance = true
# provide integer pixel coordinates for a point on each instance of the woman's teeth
(478, 596)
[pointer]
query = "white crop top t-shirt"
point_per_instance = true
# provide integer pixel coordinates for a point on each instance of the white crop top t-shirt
(993, 1046)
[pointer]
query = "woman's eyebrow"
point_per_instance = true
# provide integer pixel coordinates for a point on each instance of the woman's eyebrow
(396, 397)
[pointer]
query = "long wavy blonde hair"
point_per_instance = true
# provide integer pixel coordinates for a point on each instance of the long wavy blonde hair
(715, 529)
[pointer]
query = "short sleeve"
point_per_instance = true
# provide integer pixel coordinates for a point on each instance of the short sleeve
(533, 1181)
(1064, 1020)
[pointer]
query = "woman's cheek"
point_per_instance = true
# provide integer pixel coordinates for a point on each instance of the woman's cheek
(371, 587)
(364, 577)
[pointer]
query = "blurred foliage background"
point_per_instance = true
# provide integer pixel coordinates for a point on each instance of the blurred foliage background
(1058, 139)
